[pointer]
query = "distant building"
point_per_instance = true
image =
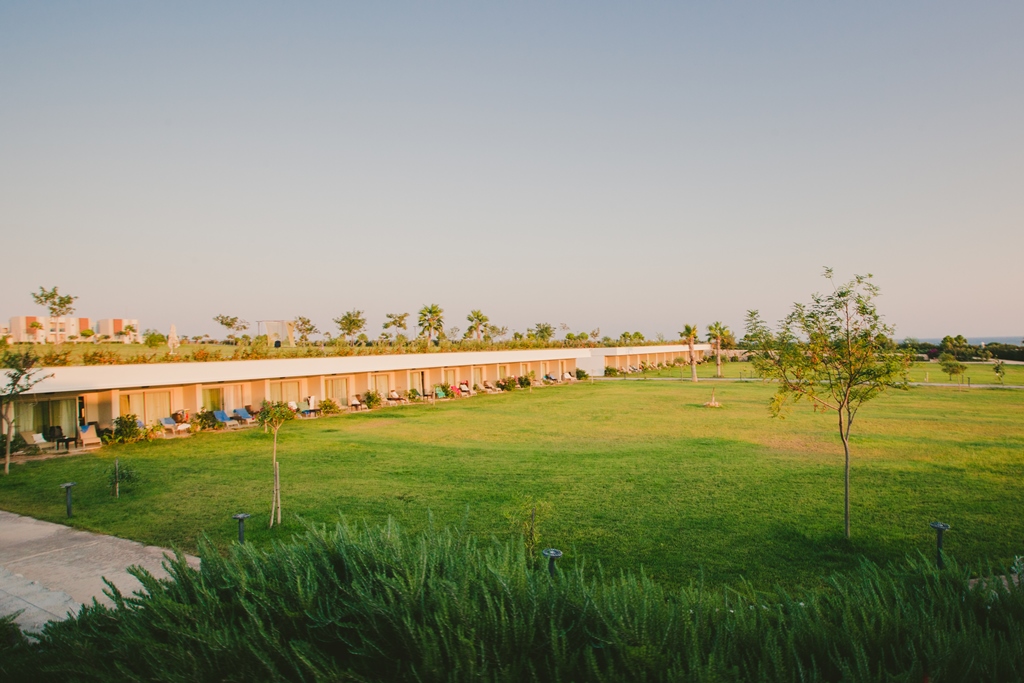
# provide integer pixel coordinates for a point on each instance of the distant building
(120, 329)
(41, 329)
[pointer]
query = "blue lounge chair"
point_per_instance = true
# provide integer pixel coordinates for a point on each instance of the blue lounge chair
(243, 415)
(223, 418)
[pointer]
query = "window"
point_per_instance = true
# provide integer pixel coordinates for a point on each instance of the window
(478, 377)
(449, 377)
(337, 390)
(39, 416)
(380, 385)
(283, 392)
(502, 371)
(212, 399)
(416, 382)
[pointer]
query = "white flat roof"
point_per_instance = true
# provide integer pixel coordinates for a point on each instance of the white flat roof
(82, 378)
(106, 377)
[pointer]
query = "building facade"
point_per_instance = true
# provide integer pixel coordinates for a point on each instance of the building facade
(78, 395)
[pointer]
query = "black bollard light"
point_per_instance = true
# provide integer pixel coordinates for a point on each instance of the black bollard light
(241, 517)
(939, 528)
(552, 554)
(67, 492)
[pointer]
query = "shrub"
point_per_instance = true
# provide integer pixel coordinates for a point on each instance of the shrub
(506, 383)
(361, 604)
(524, 381)
(581, 374)
(609, 371)
(372, 399)
(100, 357)
(204, 419)
(413, 394)
(329, 406)
(55, 359)
(127, 429)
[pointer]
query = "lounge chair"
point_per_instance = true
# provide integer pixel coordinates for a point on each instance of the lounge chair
(223, 418)
(439, 393)
(464, 388)
(294, 406)
(568, 377)
(355, 404)
(88, 436)
(305, 410)
(37, 440)
(395, 397)
(175, 428)
(490, 388)
(244, 416)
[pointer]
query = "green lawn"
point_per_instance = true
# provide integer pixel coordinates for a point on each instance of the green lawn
(979, 373)
(636, 473)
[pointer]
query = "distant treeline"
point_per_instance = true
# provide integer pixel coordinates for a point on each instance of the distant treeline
(962, 350)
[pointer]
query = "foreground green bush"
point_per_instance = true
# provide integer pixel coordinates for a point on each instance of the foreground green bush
(374, 605)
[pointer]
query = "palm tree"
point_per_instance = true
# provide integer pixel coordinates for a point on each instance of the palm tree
(543, 331)
(431, 321)
(477, 322)
(689, 334)
(351, 324)
(716, 332)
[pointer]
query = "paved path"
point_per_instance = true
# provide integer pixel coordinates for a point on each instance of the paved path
(48, 569)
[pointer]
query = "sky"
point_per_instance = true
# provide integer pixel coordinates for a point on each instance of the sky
(622, 166)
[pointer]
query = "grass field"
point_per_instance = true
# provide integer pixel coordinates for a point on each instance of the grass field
(979, 373)
(636, 473)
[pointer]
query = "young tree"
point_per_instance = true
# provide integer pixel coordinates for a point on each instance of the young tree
(57, 304)
(431, 321)
(351, 324)
(396, 321)
(21, 375)
(305, 327)
(689, 335)
(835, 352)
(951, 366)
(477, 324)
(1000, 370)
(272, 416)
(716, 333)
(231, 323)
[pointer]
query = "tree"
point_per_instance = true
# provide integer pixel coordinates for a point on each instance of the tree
(153, 339)
(477, 324)
(951, 366)
(716, 331)
(57, 304)
(957, 346)
(999, 370)
(351, 324)
(835, 352)
(689, 335)
(231, 323)
(396, 321)
(272, 416)
(431, 321)
(542, 331)
(21, 374)
(305, 327)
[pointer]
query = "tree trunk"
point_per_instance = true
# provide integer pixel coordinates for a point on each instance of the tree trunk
(718, 358)
(693, 363)
(277, 487)
(845, 435)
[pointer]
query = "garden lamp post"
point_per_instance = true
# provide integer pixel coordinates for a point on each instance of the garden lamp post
(67, 492)
(241, 517)
(939, 528)
(552, 554)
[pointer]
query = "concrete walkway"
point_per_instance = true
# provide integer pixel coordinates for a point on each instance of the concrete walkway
(48, 569)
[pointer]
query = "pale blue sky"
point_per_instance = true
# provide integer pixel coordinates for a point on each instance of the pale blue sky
(604, 165)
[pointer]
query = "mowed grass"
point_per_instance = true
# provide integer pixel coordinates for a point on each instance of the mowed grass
(978, 373)
(636, 474)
